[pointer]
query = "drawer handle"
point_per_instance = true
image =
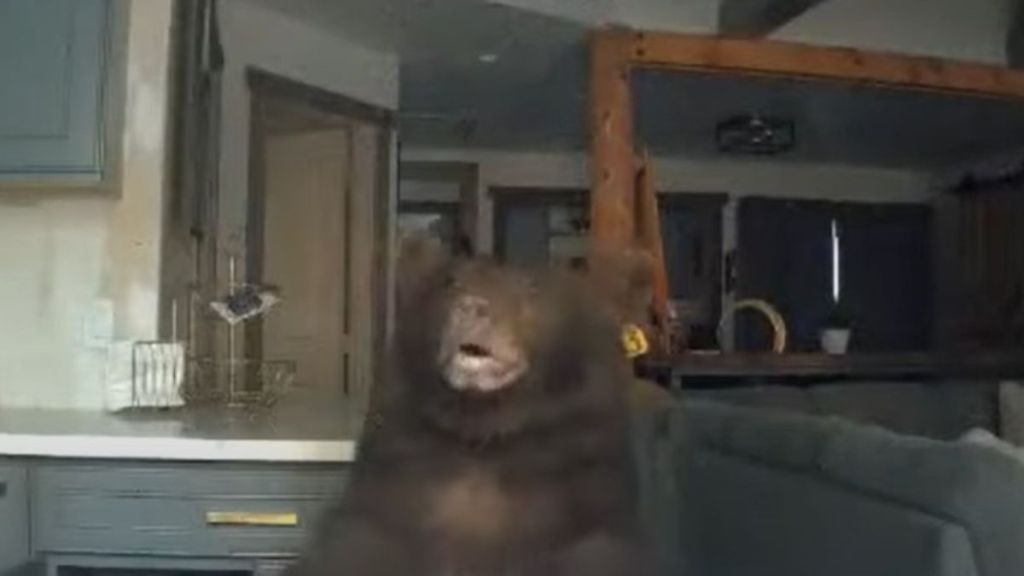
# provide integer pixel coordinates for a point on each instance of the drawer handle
(3, 488)
(252, 519)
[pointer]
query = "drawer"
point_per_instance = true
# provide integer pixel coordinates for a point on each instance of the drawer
(193, 510)
(14, 517)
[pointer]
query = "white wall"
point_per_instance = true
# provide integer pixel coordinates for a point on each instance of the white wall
(255, 36)
(63, 249)
(737, 178)
(426, 191)
(973, 30)
(692, 16)
(592, 12)
(695, 16)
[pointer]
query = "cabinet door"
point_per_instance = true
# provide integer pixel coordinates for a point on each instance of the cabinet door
(14, 518)
(52, 57)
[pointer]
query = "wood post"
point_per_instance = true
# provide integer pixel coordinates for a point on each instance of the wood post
(663, 50)
(649, 239)
(612, 211)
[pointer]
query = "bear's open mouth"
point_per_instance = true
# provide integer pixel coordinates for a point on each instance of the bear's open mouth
(472, 350)
(474, 367)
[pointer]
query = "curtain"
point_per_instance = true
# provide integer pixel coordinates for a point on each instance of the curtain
(985, 306)
(784, 257)
(887, 275)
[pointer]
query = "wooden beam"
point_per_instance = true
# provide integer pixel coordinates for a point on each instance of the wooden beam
(611, 133)
(649, 239)
(759, 17)
(769, 57)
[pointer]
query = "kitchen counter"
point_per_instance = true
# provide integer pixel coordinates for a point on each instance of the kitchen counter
(284, 434)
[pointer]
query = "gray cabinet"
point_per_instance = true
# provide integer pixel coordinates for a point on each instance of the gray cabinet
(53, 55)
(206, 511)
(102, 518)
(14, 518)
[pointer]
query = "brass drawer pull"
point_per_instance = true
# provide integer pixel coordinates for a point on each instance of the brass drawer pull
(268, 519)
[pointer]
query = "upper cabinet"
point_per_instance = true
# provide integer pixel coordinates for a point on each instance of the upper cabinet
(53, 56)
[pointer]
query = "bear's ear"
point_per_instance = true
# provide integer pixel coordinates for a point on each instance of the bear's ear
(422, 258)
(624, 278)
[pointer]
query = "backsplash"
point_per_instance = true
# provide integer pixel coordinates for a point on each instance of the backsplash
(52, 263)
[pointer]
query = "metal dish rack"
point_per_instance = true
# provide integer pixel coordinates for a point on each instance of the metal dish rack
(234, 381)
(238, 382)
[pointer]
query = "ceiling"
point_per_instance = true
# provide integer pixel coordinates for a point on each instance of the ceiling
(533, 95)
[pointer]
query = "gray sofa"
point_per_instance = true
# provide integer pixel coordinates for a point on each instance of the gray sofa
(942, 410)
(736, 490)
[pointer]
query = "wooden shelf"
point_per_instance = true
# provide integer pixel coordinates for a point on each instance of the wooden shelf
(740, 365)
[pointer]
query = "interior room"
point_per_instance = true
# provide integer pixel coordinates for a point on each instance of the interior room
(204, 201)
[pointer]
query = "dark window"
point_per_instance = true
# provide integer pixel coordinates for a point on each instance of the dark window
(886, 275)
(785, 258)
(880, 269)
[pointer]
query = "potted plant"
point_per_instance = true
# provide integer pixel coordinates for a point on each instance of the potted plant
(835, 334)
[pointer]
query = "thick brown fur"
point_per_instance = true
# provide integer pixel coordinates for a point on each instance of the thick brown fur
(534, 479)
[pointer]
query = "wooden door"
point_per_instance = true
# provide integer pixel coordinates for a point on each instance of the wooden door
(308, 195)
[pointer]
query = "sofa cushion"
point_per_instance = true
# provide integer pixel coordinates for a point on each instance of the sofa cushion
(943, 410)
(970, 404)
(794, 440)
(986, 439)
(901, 406)
(784, 398)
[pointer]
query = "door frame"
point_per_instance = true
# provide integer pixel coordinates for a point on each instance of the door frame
(263, 86)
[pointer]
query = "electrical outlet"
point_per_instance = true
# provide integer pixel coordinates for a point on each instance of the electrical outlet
(98, 324)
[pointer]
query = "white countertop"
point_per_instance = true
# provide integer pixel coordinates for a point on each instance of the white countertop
(280, 435)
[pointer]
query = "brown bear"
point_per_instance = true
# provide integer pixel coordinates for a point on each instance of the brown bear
(498, 444)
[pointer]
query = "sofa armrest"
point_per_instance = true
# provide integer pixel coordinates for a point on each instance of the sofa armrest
(744, 517)
(971, 486)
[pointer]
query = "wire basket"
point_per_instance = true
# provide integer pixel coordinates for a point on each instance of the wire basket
(238, 383)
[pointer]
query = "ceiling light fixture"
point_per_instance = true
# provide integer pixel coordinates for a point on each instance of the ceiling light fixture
(487, 58)
(756, 134)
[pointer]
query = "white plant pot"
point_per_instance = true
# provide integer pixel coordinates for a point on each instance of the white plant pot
(835, 340)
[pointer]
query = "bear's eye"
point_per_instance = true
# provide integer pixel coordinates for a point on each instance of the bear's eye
(449, 281)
